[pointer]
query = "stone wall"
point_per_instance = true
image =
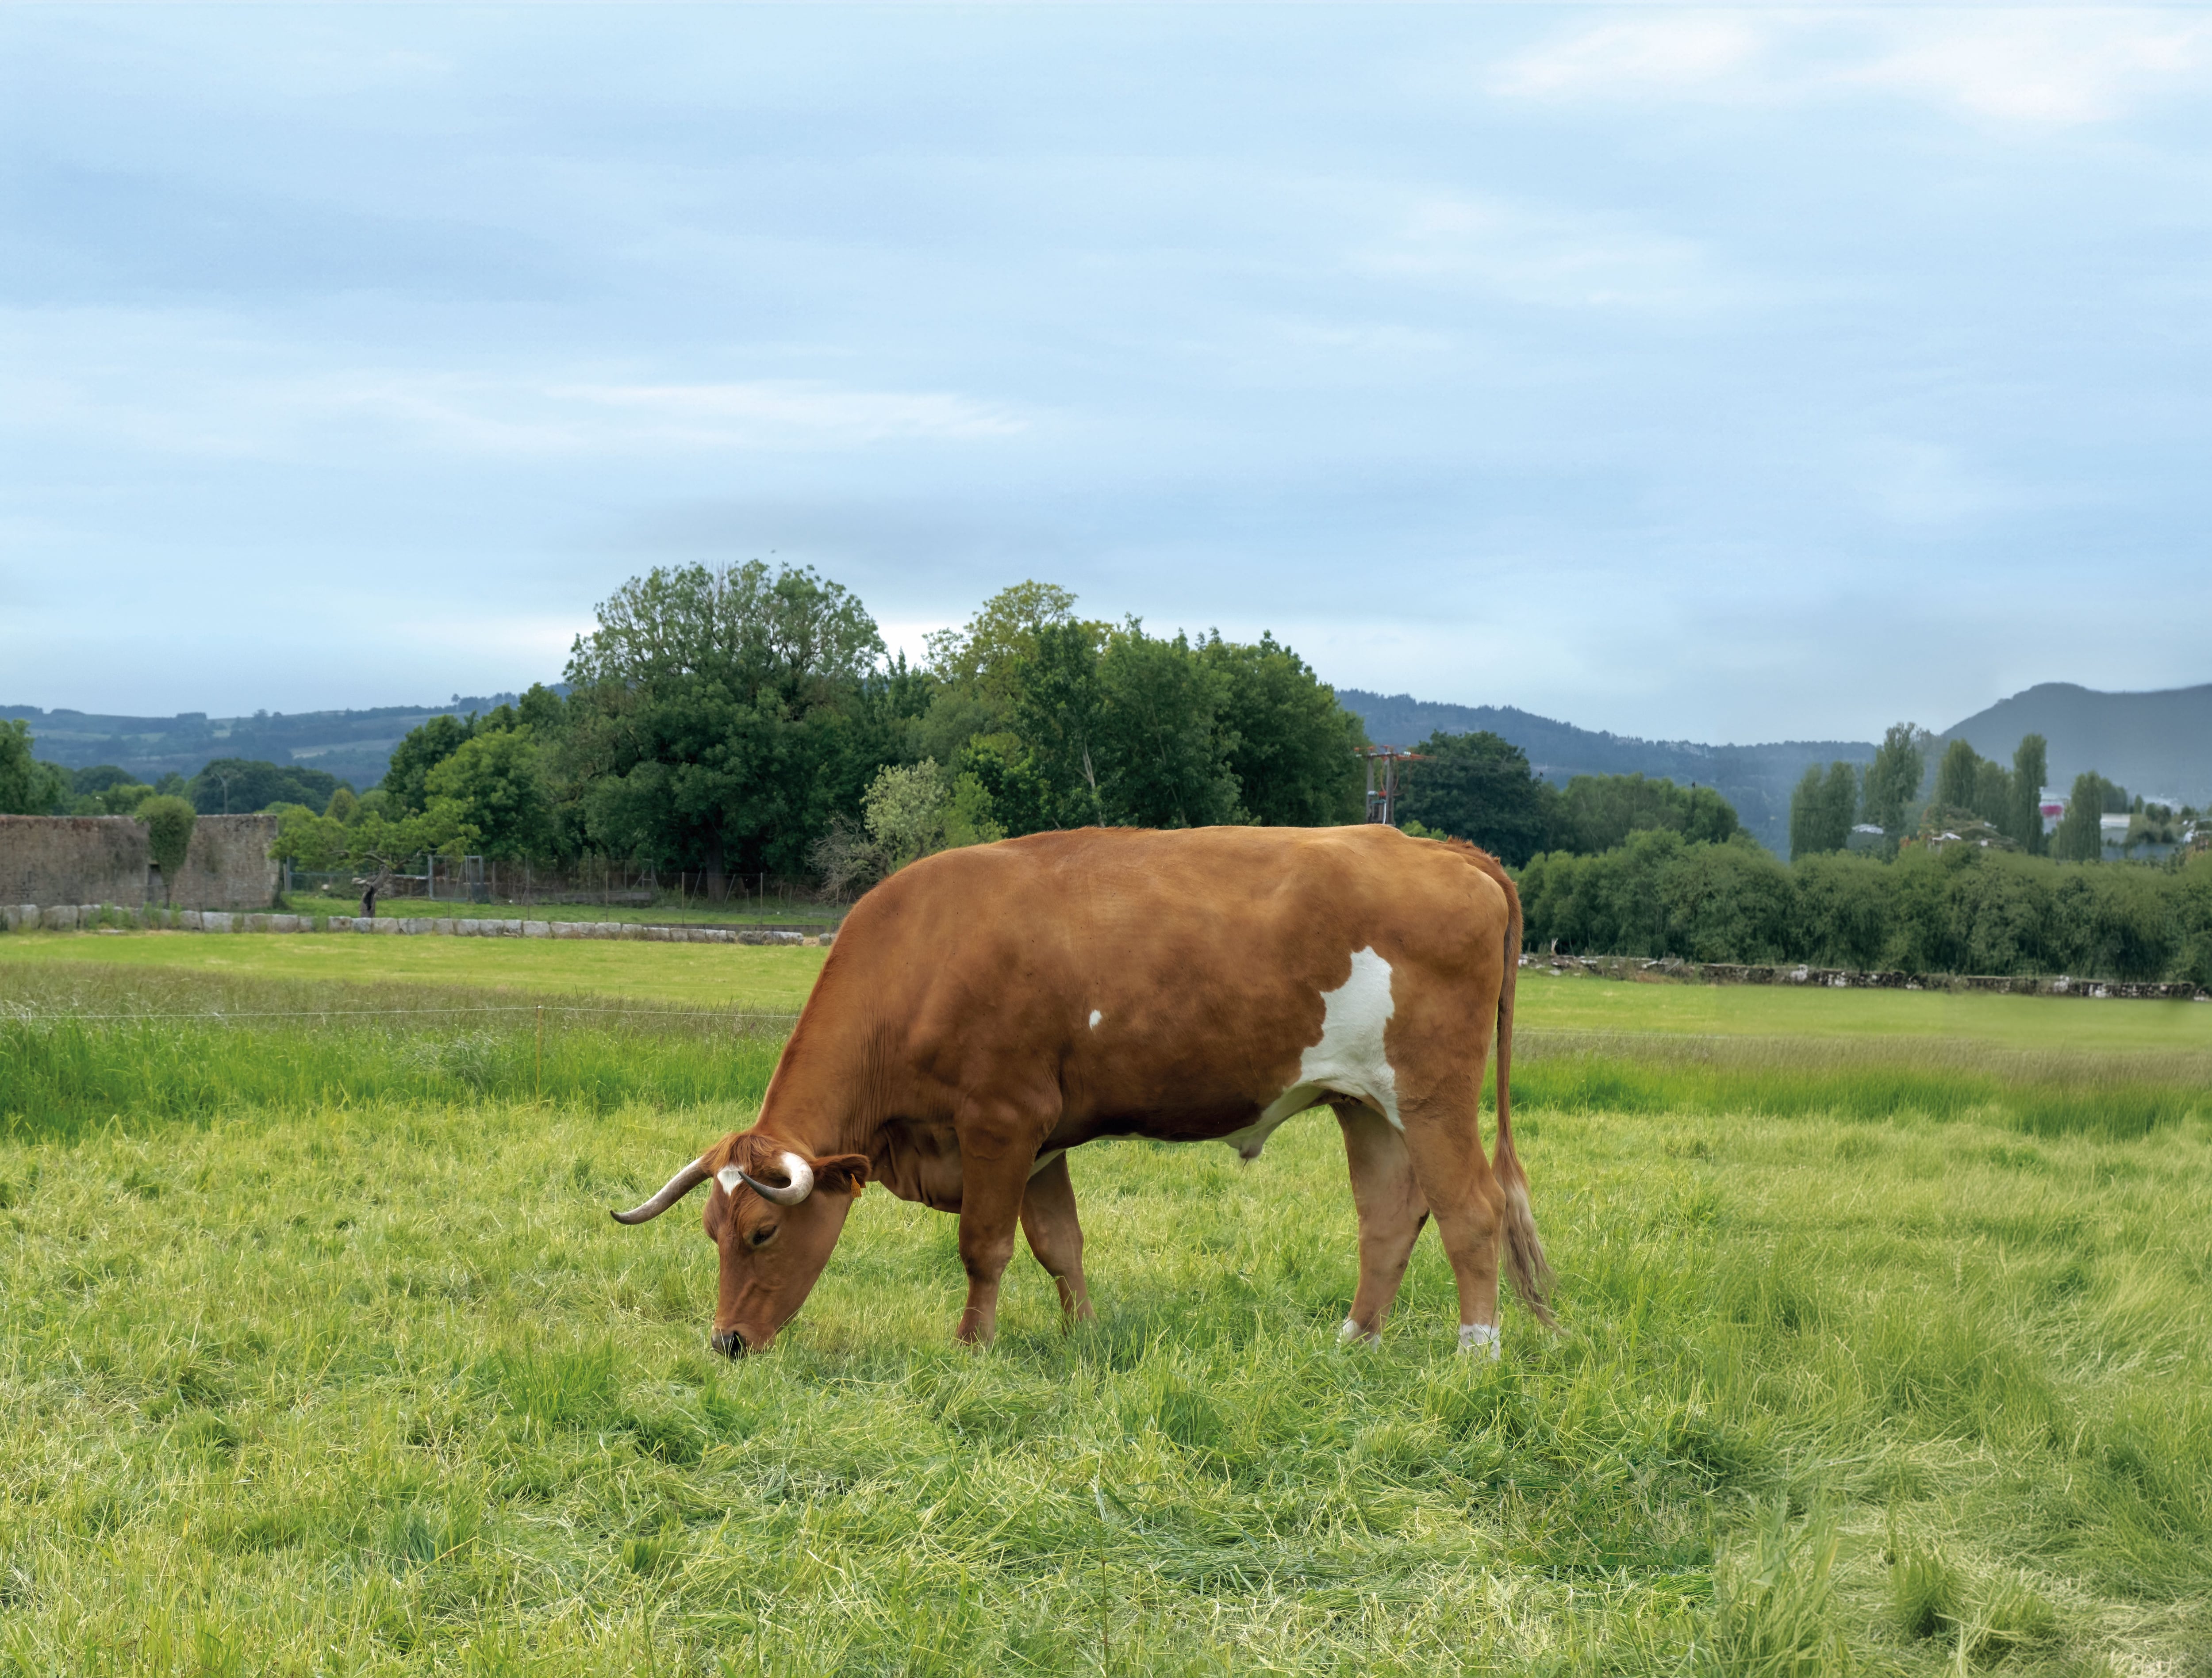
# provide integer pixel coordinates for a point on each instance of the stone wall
(103, 859)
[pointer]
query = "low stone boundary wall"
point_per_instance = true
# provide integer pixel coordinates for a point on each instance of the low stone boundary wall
(99, 917)
(1845, 978)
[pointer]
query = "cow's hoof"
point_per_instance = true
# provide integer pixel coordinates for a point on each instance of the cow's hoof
(1480, 1339)
(1351, 1332)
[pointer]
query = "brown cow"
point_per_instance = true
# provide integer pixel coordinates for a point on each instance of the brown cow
(986, 1010)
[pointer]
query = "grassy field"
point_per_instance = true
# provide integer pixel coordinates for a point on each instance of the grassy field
(1885, 1349)
(767, 978)
(667, 911)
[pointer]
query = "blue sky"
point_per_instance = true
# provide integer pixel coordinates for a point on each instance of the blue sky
(1726, 374)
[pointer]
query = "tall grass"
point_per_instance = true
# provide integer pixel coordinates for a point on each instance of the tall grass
(2048, 1093)
(126, 1054)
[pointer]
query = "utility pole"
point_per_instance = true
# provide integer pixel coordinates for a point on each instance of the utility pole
(1382, 763)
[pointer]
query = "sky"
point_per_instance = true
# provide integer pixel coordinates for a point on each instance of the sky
(1728, 374)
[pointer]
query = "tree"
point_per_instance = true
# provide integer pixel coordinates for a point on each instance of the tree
(1056, 748)
(169, 822)
(1892, 779)
(423, 749)
(1166, 761)
(987, 653)
(1290, 746)
(1955, 779)
(1598, 812)
(2080, 835)
(241, 786)
(1820, 809)
(2030, 765)
(27, 787)
(721, 716)
(490, 793)
(1480, 788)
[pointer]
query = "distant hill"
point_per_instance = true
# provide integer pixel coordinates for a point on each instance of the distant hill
(355, 746)
(1756, 779)
(2159, 743)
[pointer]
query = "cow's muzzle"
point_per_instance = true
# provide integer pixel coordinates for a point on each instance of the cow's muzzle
(730, 1343)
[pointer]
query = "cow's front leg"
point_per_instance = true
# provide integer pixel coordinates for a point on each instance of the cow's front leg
(994, 1176)
(1055, 1237)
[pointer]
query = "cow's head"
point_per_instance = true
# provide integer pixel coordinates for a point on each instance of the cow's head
(774, 1213)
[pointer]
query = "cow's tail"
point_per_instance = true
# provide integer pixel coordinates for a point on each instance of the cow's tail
(1524, 1253)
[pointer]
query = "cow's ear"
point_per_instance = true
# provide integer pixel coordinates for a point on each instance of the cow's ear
(849, 1172)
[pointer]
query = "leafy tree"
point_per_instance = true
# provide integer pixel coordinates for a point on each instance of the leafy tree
(241, 786)
(27, 787)
(1955, 779)
(1290, 746)
(1597, 812)
(1479, 787)
(426, 746)
(987, 654)
(1820, 809)
(1993, 798)
(490, 793)
(1892, 779)
(2030, 765)
(1057, 748)
(1166, 760)
(2080, 834)
(307, 840)
(98, 778)
(169, 822)
(719, 716)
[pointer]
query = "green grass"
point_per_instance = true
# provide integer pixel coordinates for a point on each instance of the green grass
(666, 911)
(779, 978)
(1585, 1003)
(308, 1376)
(766, 978)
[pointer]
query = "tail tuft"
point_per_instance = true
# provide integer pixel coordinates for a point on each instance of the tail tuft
(1524, 1255)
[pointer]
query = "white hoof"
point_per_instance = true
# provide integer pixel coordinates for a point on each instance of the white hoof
(1478, 1337)
(1349, 1332)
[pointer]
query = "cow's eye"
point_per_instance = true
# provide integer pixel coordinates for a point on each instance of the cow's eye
(760, 1236)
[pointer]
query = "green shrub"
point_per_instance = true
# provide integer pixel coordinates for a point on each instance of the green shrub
(169, 822)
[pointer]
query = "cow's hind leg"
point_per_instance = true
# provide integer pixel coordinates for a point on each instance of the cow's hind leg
(1444, 1143)
(1055, 1237)
(1391, 1213)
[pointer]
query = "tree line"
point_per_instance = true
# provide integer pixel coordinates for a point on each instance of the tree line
(1963, 909)
(727, 721)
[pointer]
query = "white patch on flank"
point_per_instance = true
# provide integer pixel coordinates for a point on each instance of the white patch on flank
(1475, 1337)
(1046, 1158)
(1349, 1059)
(729, 1176)
(1096, 1016)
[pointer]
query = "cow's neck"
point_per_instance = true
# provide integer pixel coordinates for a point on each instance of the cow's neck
(824, 1097)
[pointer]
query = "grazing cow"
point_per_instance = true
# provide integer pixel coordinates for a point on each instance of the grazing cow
(986, 1010)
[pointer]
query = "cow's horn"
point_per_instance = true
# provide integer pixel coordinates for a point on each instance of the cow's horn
(676, 1188)
(790, 1194)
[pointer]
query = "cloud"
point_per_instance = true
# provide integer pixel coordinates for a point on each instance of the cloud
(1543, 256)
(510, 417)
(2042, 68)
(1643, 53)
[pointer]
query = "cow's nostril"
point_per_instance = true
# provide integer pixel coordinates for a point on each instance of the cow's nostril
(730, 1343)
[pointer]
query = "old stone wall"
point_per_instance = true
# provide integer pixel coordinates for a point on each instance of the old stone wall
(103, 859)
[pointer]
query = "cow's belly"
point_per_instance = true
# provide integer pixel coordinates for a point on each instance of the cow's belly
(1350, 1062)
